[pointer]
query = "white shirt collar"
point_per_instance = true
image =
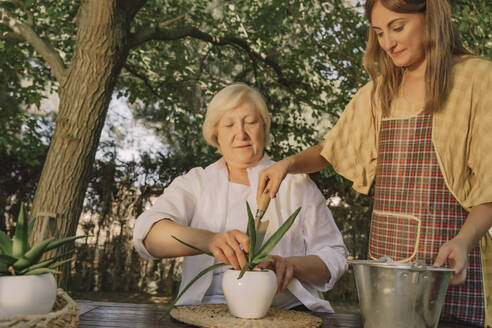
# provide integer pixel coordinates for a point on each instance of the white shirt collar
(253, 171)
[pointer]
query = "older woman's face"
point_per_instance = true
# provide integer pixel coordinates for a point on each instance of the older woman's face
(241, 135)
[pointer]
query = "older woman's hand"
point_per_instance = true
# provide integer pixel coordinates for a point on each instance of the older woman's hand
(283, 268)
(230, 247)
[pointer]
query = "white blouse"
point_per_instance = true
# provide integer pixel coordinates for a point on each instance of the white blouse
(238, 194)
(200, 199)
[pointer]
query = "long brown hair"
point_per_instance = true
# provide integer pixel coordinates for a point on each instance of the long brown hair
(441, 45)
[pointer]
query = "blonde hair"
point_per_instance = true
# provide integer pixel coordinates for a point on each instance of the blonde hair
(228, 98)
(441, 45)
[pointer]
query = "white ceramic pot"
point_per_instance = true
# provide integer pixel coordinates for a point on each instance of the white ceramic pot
(251, 296)
(31, 294)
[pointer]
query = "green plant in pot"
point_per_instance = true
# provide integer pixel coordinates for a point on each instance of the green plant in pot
(260, 284)
(27, 284)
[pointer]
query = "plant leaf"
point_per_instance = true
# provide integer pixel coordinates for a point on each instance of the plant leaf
(41, 271)
(59, 242)
(32, 255)
(30, 226)
(262, 259)
(5, 243)
(20, 243)
(7, 259)
(4, 269)
(275, 238)
(47, 263)
(191, 246)
(57, 264)
(243, 270)
(251, 233)
(5, 262)
(198, 276)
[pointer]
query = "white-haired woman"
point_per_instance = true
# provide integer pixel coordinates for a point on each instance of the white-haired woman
(207, 207)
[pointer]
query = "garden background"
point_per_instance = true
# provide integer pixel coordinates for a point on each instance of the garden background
(102, 102)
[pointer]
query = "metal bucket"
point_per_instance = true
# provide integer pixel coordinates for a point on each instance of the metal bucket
(400, 295)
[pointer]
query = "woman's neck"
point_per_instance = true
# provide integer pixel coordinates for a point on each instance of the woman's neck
(414, 84)
(238, 175)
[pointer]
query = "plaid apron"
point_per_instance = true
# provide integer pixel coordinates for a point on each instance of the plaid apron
(415, 213)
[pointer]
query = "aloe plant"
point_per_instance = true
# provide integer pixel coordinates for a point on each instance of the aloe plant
(255, 256)
(17, 257)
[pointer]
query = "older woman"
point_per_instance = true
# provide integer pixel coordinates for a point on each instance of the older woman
(207, 208)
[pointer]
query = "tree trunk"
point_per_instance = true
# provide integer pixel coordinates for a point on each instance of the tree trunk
(102, 31)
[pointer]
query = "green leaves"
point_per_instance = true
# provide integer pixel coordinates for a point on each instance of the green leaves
(20, 243)
(57, 243)
(42, 271)
(275, 238)
(193, 247)
(33, 255)
(49, 263)
(30, 226)
(5, 243)
(16, 255)
(251, 233)
(254, 258)
(5, 262)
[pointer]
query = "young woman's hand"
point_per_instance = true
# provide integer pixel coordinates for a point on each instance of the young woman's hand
(230, 247)
(454, 252)
(275, 174)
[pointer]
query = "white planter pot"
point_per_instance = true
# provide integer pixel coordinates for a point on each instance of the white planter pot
(251, 296)
(32, 294)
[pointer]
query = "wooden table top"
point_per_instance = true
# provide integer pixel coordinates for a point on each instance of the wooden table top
(123, 315)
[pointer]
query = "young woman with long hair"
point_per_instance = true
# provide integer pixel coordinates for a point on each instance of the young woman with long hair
(420, 130)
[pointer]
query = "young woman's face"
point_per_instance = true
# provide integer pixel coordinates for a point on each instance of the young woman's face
(241, 135)
(400, 35)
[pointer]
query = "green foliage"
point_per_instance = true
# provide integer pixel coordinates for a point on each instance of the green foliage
(300, 88)
(17, 257)
(474, 21)
(317, 47)
(255, 256)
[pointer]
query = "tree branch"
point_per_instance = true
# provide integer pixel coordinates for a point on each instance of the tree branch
(169, 35)
(143, 78)
(45, 50)
(157, 33)
(11, 36)
(132, 7)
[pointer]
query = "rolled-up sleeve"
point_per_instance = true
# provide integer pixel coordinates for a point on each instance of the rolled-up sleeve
(350, 146)
(177, 203)
(323, 239)
(480, 155)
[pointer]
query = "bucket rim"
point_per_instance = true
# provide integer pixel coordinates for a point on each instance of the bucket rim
(393, 265)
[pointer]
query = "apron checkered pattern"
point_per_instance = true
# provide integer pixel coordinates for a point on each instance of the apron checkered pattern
(415, 213)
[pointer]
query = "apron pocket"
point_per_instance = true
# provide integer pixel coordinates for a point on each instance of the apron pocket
(395, 235)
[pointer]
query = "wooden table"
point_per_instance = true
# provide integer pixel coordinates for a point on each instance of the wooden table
(129, 315)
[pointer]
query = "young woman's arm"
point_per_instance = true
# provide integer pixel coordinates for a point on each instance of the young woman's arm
(455, 251)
